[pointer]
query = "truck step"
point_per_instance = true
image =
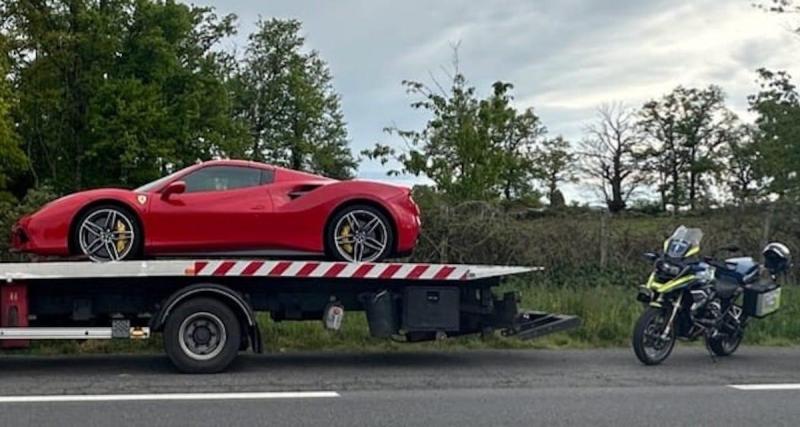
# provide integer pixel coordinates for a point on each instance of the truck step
(534, 324)
(71, 333)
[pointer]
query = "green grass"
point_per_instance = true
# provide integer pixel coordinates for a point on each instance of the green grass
(608, 310)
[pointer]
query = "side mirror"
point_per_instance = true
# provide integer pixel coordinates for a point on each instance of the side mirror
(176, 187)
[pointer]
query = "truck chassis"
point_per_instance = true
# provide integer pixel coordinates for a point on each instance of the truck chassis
(206, 309)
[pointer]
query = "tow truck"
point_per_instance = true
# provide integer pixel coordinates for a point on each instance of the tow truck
(206, 309)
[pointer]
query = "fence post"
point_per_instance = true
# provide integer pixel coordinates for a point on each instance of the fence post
(603, 240)
(767, 230)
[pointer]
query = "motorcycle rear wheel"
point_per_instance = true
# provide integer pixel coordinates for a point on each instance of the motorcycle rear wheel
(648, 345)
(725, 346)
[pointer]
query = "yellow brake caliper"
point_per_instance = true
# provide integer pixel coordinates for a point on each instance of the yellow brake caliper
(123, 242)
(345, 233)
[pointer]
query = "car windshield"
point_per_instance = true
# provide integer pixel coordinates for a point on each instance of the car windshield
(150, 186)
(682, 240)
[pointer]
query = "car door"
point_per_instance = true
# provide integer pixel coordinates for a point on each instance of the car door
(220, 211)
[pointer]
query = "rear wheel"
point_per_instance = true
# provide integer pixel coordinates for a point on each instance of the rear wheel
(728, 342)
(649, 343)
(359, 233)
(202, 335)
(725, 346)
(108, 233)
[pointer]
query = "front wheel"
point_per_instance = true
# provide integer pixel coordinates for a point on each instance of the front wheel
(202, 335)
(649, 343)
(108, 233)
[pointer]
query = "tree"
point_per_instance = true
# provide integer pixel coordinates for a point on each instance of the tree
(286, 97)
(12, 159)
(515, 134)
(780, 6)
(684, 129)
(741, 157)
(556, 165)
(471, 148)
(777, 133)
(611, 155)
(118, 92)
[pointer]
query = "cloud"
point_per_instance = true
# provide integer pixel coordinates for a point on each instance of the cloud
(564, 57)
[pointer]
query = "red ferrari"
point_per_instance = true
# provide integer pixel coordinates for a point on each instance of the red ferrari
(227, 208)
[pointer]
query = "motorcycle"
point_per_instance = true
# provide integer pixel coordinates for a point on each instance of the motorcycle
(690, 297)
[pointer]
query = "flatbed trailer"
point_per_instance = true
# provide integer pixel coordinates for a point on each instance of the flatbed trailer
(206, 309)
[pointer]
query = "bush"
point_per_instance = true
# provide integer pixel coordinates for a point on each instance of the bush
(11, 210)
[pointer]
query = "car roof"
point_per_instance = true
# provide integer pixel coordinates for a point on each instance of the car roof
(229, 162)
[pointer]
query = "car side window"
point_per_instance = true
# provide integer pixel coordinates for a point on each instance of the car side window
(267, 176)
(221, 178)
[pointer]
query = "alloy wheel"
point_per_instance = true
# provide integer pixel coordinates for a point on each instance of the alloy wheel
(106, 235)
(361, 236)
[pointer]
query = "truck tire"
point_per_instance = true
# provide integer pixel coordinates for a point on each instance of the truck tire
(202, 336)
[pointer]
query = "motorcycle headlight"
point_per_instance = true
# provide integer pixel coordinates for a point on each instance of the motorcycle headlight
(665, 267)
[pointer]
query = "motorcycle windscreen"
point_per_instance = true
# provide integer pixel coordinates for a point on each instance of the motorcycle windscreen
(682, 241)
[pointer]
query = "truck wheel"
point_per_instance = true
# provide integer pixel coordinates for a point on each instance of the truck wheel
(202, 336)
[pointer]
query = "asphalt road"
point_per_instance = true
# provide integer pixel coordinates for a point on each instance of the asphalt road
(491, 388)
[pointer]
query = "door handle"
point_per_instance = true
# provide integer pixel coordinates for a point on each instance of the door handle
(258, 207)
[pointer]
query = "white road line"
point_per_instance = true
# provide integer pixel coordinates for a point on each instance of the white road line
(761, 387)
(167, 396)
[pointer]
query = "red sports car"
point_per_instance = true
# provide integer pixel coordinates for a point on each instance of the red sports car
(225, 208)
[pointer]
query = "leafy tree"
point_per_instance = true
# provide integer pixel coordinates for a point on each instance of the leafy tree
(778, 132)
(684, 130)
(516, 135)
(471, 148)
(611, 155)
(12, 159)
(556, 164)
(286, 97)
(119, 91)
(780, 6)
(741, 157)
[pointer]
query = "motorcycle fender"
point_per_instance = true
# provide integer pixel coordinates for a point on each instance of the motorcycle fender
(656, 304)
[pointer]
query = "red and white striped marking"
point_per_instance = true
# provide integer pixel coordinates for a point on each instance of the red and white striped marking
(331, 270)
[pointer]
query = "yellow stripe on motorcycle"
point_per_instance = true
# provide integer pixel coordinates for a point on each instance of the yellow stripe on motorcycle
(672, 284)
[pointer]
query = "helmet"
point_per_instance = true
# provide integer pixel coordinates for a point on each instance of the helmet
(777, 257)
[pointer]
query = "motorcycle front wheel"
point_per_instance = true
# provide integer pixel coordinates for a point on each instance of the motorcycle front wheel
(650, 346)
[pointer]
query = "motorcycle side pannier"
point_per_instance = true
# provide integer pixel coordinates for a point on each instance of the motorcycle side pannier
(762, 299)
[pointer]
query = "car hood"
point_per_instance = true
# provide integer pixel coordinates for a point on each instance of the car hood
(81, 198)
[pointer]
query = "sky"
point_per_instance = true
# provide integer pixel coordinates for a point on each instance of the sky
(565, 58)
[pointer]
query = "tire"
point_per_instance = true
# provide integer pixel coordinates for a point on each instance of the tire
(343, 238)
(108, 233)
(195, 351)
(645, 352)
(725, 347)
